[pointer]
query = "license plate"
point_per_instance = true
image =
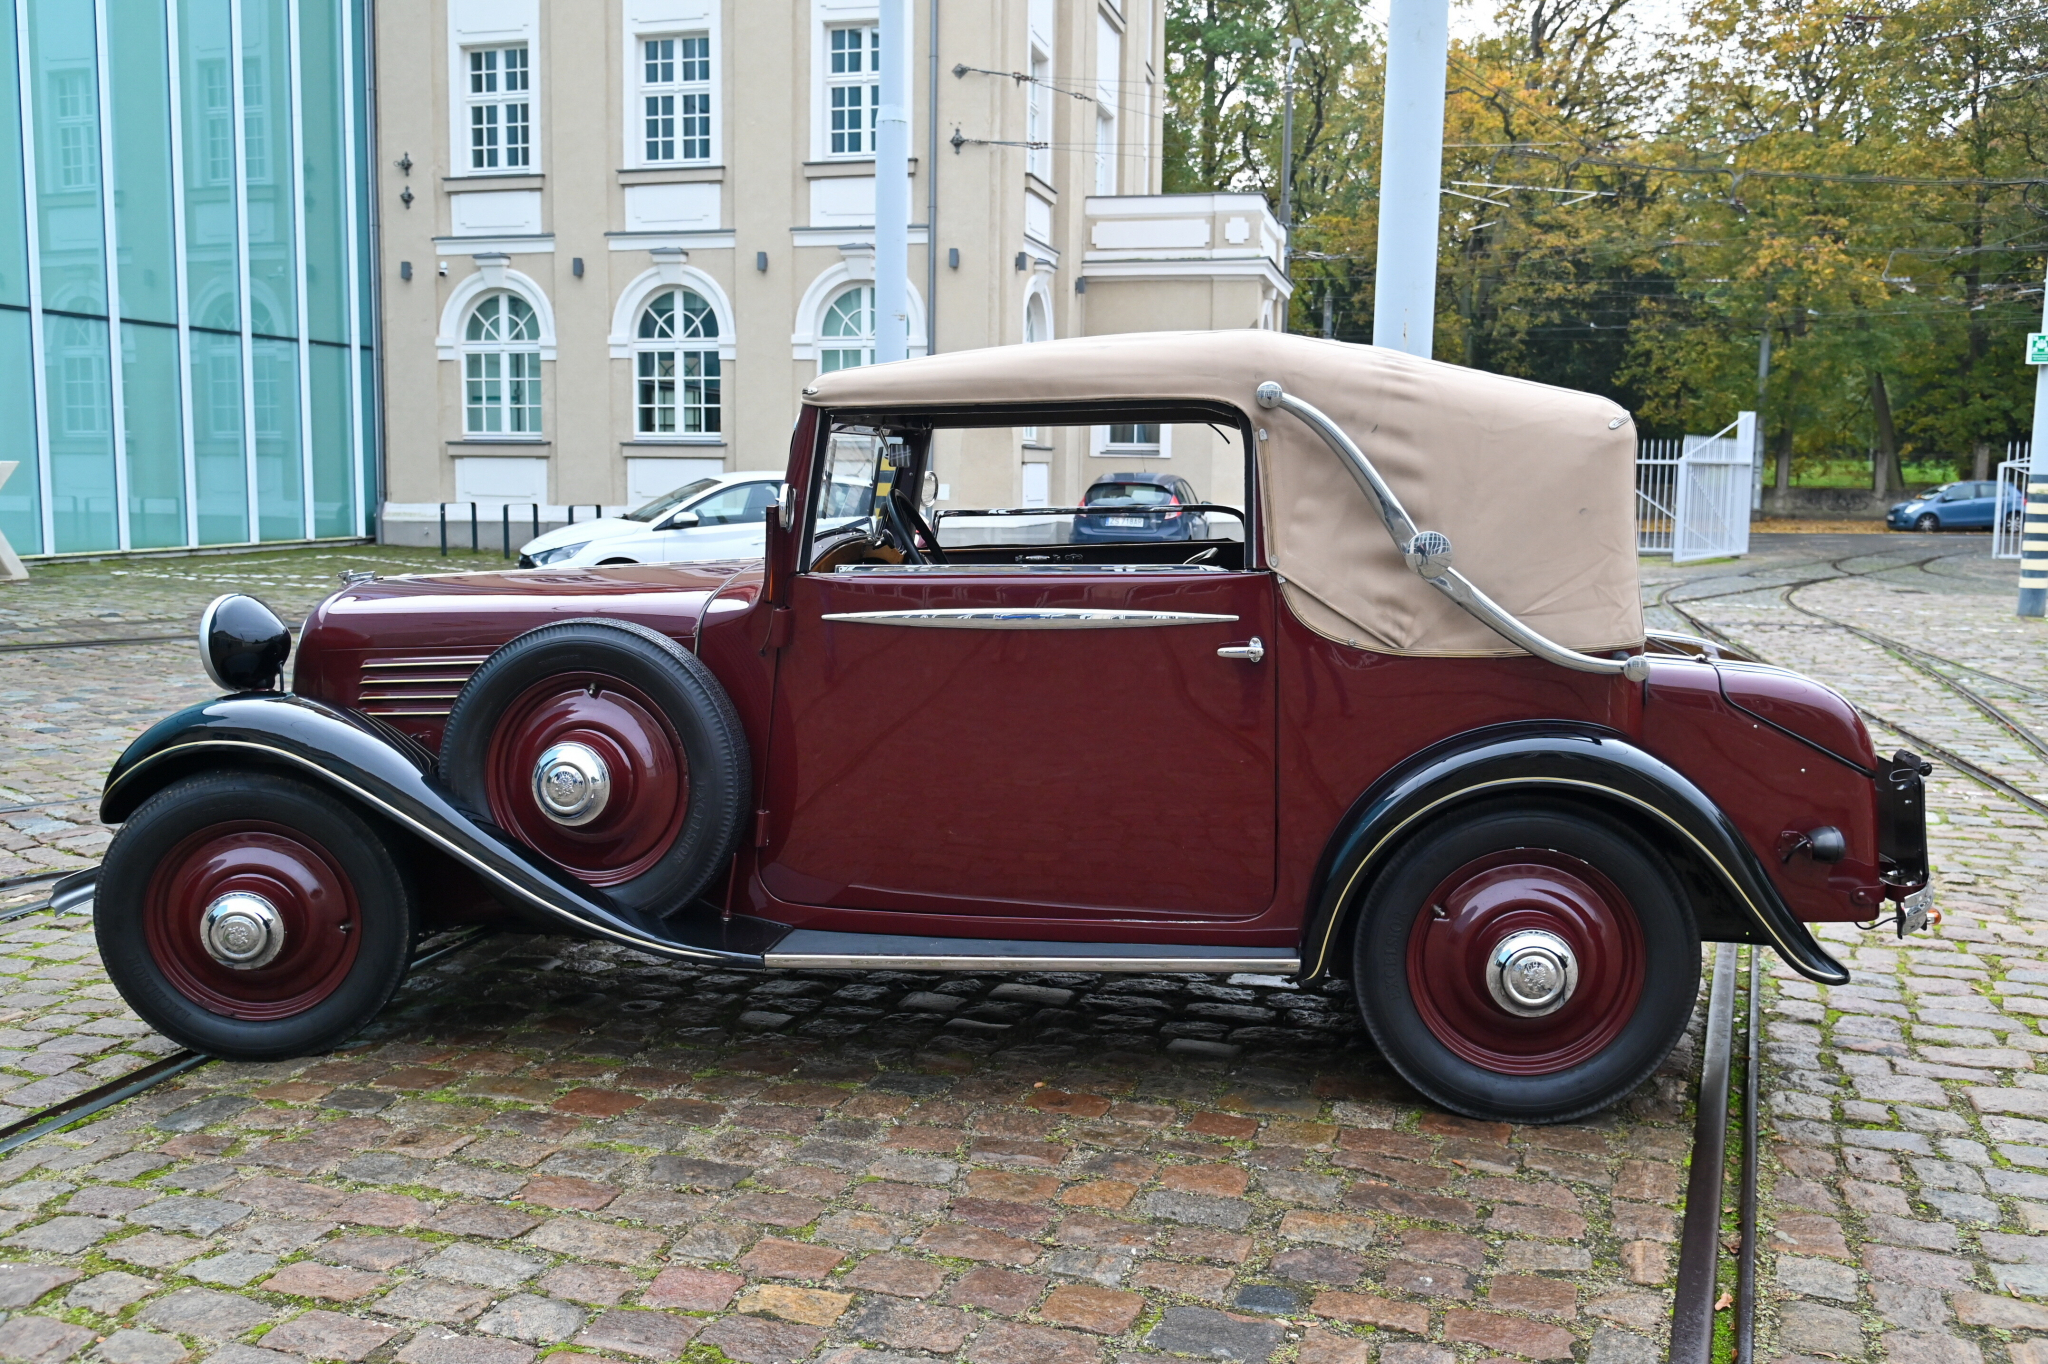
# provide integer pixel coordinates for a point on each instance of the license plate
(1131, 521)
(1913, 910)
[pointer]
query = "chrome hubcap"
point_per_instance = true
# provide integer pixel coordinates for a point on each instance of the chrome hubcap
(242, 931)
(571, 784)
(1532, 973)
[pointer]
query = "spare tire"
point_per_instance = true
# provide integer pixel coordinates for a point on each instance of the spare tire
(611, 751)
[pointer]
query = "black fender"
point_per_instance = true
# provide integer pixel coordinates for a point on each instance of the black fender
(386, 775)
(1582, 761)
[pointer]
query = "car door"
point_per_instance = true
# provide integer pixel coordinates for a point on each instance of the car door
(1983, 505)
(1025, 744)
(730, 521)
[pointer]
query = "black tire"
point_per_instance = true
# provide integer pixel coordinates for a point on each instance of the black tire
(134, 911)
(1927, 522)
(1669, 967)
(680, 691)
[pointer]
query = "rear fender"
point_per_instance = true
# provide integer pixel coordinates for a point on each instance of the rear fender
(382, 774)
(1580, 762)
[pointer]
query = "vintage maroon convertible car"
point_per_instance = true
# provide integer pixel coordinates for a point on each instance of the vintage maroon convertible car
(1302, 744)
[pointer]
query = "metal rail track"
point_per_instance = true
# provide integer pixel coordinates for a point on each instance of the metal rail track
(40, 645)
(1924, 661)
(1698, 1298)
(80, 1106)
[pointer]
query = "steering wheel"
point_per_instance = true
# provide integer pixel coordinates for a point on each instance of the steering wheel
(925, 529)
(899, 531)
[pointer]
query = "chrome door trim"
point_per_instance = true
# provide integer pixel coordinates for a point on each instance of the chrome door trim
(1026, 618)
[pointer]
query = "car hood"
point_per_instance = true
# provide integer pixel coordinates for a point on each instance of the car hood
(583, 532)
(1913, 505)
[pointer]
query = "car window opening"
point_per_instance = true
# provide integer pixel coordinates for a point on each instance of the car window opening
(879, 499)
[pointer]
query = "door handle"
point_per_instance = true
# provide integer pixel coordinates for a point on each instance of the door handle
(1253, 652)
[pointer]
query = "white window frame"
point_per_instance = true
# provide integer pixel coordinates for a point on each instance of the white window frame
(833, 84)
(678, 90)
(865, 343)
(489, 72)
(1038, 115)
(1100, 446)
(529, 352)
(1109, 52)
(647, 353)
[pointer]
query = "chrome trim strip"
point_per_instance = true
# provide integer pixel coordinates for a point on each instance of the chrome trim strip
(1429, 553)
(1036, 618)
(1287, 965)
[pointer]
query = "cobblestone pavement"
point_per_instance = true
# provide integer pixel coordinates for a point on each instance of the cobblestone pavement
(1906, 1172)
(567, 1147)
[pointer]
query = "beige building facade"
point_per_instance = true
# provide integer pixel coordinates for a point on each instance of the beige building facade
(619, 237)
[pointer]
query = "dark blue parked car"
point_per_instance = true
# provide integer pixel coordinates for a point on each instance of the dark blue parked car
(1969, 505)
(1140, 507)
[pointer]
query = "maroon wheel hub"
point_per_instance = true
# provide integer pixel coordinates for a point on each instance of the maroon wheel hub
(259, 874)
(630, 781)
(1535, 901)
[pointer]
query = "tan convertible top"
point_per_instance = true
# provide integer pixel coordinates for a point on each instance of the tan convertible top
(1535, 486)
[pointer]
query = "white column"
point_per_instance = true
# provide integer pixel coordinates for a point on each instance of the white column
(892, 189)
(1411, 174)
(175, 58)
(115, 375)
(241, 130)
(24, 76)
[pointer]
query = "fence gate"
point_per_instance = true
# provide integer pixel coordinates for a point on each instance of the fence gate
(2012, 501)
(1693, 495)
(1656, 493)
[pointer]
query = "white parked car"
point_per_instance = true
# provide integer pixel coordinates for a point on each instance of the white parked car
(713, 518)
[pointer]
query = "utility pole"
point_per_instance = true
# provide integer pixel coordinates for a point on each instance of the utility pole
(1294, 46)
(2034, 528)
(892, 188)
(1411, 175)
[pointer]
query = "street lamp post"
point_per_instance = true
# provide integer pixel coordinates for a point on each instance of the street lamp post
(1294, 46)
(1411, 175)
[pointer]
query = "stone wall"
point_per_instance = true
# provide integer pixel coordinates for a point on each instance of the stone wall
(1853, 504)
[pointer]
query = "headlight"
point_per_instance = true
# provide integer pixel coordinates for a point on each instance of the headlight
(243, 644)
(558, 554)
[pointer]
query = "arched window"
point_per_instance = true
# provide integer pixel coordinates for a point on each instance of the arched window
(676, 366)
(501, 368)
(847, 339)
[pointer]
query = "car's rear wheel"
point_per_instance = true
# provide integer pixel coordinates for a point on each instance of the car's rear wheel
(1532, 963)
(1927, 521)
(611, 751)
(252, 916)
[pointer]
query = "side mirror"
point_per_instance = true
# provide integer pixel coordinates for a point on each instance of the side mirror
(785, 507)
(682, 521)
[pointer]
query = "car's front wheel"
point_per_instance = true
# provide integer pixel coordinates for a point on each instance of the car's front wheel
(1927, 521)
(1532, 963)
(253, 917)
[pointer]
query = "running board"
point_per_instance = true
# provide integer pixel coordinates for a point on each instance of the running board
(816, 950)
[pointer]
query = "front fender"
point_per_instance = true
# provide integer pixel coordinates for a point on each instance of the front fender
(352, 758)
(1581, 761)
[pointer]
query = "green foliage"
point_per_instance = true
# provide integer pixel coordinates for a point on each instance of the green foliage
(1631, 211)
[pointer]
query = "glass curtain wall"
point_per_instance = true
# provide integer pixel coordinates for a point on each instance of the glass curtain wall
(185, 329)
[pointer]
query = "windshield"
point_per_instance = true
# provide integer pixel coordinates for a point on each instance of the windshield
(1128, 495)
(668, 502)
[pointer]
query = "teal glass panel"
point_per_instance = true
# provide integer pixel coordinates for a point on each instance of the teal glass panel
(207, 129)
(13, 194)
(330, 427)
(366, 316)
(221, 469)
(64, 94)
(78, 380)
(280, 475)
(21, 519)
(139, 88)
(155, 435)
(267, 152)
(373, 493)
(324, 186)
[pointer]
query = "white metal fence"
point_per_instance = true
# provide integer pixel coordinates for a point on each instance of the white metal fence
(2012, 500)
(1693, 495)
